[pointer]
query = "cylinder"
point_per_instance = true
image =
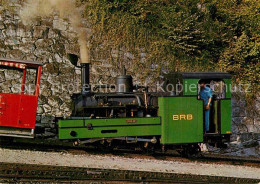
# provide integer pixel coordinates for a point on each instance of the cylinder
(124, 84)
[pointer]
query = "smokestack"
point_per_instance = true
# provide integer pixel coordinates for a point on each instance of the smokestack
(85, 78)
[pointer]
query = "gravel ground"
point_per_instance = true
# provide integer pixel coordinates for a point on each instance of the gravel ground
(122, 163)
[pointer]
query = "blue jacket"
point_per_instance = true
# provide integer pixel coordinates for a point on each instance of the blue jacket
(205, 94)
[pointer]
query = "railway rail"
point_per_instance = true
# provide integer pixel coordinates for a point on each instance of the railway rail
(10, 172)
(234, 159)
(57, 146)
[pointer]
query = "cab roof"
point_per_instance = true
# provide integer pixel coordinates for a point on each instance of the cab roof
(205, 75)
(21, 61)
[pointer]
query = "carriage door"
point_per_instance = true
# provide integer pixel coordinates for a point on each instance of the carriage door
(28, 99)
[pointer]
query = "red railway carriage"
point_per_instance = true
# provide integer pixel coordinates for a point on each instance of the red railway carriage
(18, 104)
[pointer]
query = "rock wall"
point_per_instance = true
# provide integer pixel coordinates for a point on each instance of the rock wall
(245, 138)
(50, 40)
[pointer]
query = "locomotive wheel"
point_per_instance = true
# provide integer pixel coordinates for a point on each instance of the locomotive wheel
(105, 146)
(148, 148)
(191, 151)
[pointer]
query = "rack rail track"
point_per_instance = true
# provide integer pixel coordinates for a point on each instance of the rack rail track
(15, 172)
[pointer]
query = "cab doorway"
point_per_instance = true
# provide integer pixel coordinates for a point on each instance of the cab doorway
(218, 89)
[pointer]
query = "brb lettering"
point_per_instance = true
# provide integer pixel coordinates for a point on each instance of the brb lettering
(176, 117)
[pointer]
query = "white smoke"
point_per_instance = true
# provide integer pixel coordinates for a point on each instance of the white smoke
(66, 9)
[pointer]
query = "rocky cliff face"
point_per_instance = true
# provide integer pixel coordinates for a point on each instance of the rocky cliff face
(50, 40)
(245, 127)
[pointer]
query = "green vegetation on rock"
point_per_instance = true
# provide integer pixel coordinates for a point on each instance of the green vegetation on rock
(184, 35)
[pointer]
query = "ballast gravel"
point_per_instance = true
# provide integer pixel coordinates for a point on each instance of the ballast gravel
(124, 163)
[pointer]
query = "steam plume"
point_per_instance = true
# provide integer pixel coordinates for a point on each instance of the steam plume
(66, 9)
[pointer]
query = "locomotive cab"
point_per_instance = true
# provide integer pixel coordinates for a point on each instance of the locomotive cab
(19, 97)
(220, 110)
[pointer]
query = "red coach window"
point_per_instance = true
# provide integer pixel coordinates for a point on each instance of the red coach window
(10, 78)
